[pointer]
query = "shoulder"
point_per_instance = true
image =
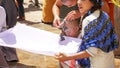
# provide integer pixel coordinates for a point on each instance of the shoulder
(105, 15)
(92, 16)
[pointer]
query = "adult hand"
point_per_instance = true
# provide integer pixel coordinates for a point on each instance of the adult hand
(75, 14)
(56, 22)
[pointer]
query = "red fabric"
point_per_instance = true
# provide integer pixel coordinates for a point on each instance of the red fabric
(111, 7)
(72, 64)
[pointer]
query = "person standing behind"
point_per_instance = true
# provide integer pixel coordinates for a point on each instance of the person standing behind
(3, 62)
(65, 9)
(47, 15)
(21, 12)
(6, 54)
(11, 19)
(11, 12)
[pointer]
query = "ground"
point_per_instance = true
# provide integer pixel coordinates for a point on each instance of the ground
(31, 60)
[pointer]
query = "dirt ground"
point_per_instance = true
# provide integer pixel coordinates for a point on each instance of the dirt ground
(31, 60)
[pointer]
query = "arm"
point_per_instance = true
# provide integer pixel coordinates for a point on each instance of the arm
(56, 13)
(63, 57)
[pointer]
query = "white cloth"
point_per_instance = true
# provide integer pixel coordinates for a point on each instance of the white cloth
(99, 58)
(38, 41)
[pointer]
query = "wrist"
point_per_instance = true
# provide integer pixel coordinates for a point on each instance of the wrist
(70, 57)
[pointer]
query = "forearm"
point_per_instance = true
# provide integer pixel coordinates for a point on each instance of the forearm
(56, 8)
(79, 55)
(63, 57)
(56, 11)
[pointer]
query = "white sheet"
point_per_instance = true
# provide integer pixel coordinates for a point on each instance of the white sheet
(37, 41)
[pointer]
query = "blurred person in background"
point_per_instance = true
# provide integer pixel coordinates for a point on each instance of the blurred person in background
(7, 54)
(21, 11)
(47, 15)
(36, 3)
(11, 12)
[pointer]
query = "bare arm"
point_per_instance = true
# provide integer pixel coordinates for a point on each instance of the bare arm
(56, 8)
(63, 57)
(56, 13)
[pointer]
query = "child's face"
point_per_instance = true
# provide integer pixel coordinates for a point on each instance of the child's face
(68, 3)
(71, 30)
(84, 6)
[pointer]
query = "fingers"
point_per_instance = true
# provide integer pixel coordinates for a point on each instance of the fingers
(56, 23)
(70, 17)
(60, 56)
(73, 15)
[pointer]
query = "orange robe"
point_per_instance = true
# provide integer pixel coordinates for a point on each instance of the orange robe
(111, 7)
(47, 15)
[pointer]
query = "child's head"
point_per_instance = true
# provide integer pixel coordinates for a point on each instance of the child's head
(69, 3)
(71, 28)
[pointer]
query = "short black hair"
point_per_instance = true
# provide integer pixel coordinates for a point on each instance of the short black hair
(97, 5)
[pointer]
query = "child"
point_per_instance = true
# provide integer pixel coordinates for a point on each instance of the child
(98, 38)
(71, 29)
